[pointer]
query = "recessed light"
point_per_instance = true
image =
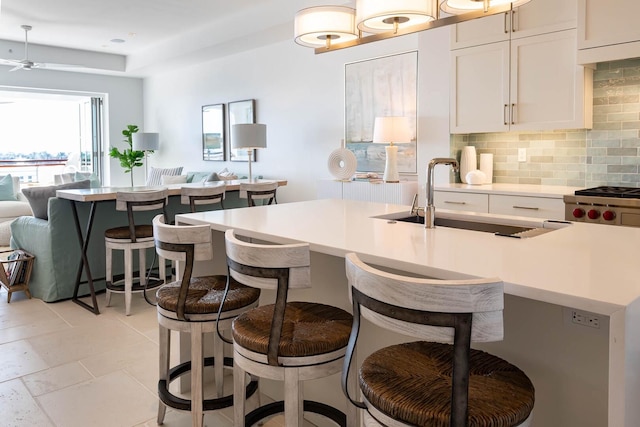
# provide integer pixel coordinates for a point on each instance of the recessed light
(117, 41)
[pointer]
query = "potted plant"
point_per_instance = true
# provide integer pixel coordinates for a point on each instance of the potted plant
(129, 158)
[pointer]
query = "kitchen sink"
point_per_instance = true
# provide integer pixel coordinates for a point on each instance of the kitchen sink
(468, 225)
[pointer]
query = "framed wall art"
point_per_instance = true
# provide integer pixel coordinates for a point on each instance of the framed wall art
(213, 133)
(379, 87)
(241, 112)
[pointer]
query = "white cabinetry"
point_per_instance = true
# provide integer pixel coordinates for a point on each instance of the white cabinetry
(530, 83)
(608, 30)
(397, 193)
(536, 17)
(529, 206)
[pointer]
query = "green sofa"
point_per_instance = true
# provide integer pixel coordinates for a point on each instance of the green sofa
(55, 244)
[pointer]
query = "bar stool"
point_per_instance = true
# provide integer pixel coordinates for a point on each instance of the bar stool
(204, 195)
(263, 191)
(285, 341)
(133, 237)
(434, 383)
(191, 305)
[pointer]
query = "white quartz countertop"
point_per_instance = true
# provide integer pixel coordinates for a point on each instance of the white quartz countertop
(586, 266)
(531, 190)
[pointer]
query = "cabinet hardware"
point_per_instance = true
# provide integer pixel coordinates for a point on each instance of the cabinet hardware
(526, 207)
(506, 30)
(513, 119)
(513, 25)
(455, 203)
(504, 114)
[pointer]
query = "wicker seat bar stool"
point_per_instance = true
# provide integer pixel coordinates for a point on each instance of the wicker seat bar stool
(204, 195)
(191, 305)
(434, 383)
(284, 341)
(133, 237)
(264, 192)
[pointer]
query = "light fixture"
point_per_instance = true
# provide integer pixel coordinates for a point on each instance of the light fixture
(145, 141)
(391, 130)
(456, 7)
(249, 136)
(379, 16)
(322, 25)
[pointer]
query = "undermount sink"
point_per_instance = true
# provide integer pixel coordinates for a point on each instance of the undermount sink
(468, 225)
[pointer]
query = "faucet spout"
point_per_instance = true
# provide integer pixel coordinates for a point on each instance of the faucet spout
(430, 210)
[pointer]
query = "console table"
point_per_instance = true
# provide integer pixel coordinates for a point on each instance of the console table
(400, 193)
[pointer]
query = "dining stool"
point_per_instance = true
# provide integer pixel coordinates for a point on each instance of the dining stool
(284, 341)
(440, 381)
(208, 194)
(265, 192)
(134, 236)
(191, 305)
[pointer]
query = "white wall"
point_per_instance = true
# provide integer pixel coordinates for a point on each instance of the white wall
(300, 97)
(123, 105)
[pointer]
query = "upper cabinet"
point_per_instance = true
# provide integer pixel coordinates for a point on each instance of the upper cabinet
(529, 81)
(533, 18)
(607, 30)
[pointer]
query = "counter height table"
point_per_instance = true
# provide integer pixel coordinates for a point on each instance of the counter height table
(584, 375)
(102, 194)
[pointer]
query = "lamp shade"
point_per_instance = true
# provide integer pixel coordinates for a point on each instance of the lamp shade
(391, 129)
(318, 26)
(378, 16)
(248, 136)
(146, 141)
(456, 7)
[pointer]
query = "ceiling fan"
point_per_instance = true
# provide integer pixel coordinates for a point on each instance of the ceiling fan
(26, 63)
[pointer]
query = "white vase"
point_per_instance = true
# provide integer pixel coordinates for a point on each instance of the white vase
(468, 162)
(486, 166)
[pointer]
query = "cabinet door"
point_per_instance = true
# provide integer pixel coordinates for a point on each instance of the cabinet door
(536, 207)
(458, 201)
(547, 87)
(609, 22)
(480, 89)
(489, 29)
(543, 16)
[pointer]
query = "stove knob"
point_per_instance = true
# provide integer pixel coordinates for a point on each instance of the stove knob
(593, 214)
(608, 215)
(578, 213)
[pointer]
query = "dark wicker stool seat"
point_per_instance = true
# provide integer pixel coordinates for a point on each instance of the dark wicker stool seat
(285, 341)
(434, 383)
(193, 305)
(411, 383)
(133, 237)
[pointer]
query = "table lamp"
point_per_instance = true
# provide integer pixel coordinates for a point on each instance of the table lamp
(391, 130)
(145, 141)
(248, 136)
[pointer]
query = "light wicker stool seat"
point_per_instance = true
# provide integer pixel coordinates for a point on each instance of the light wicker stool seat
(191, 305)
(285, 341)
(130, 238)
(434, 383)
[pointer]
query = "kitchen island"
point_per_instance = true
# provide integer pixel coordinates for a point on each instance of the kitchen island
(584, 375)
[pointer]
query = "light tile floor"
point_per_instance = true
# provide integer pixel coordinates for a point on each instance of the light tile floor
(61, 365)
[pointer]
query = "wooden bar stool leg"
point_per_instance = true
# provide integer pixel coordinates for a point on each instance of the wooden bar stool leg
(218, 367)
(108, 273)
(165, 346)
(239, 384)
(352, 412)
(142, 266)
(128, 279)
(197, 363)
(293, 398)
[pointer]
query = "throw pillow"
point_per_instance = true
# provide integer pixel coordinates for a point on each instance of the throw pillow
(6, 188)
(92, 177)
(38, 197)
(213, 177)
(155, 175)
(173, 179)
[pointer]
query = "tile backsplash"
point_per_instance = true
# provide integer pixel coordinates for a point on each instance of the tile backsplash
(608, 154)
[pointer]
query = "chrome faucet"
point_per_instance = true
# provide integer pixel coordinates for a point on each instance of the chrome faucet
(429, 211)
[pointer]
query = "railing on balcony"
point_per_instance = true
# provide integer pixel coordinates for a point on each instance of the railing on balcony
(33, 170)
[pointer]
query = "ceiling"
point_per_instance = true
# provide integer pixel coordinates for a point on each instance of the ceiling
(152, 31)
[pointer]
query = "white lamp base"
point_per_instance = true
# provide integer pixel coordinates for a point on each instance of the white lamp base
(391, 165)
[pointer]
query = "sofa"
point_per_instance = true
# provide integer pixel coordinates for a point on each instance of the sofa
(12, 209)
(55, 244)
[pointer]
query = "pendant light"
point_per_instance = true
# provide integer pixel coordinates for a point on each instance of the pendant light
(456, 7)
(379, 16)
(321, 25)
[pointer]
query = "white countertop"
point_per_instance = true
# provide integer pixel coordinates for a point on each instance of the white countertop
(531, 190)
(586, 266)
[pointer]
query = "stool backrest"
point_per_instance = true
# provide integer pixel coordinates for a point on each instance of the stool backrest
(203, 195)
(263, 191)
(140, 201)
(184, 243)
(277, 267)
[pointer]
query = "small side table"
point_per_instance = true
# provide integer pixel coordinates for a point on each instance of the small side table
(16, 271)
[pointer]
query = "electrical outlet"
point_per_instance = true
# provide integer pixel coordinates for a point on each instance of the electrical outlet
(522, 154)
(585, 318)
